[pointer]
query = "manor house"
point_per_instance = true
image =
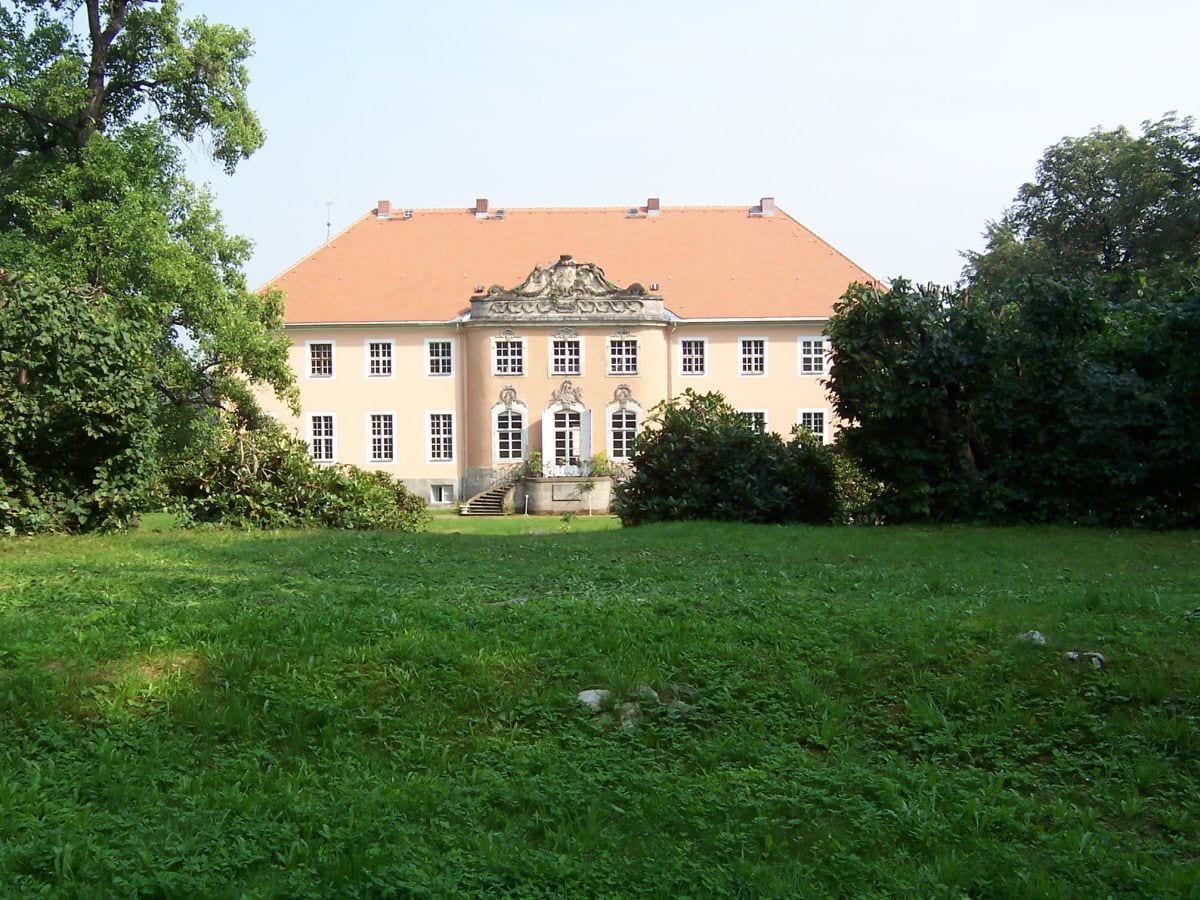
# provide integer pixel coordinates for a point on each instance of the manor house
(449, 346)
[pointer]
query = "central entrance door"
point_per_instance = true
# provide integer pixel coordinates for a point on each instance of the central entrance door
(566, 442)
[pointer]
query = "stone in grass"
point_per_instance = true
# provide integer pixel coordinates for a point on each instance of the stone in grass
(647, 694)
(1036, 638)
(594, 699)
(1096, 659)
(631, 716)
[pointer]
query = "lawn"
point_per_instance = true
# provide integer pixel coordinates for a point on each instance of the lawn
(840, 712)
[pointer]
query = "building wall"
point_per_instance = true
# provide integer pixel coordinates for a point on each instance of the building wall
(472, 392)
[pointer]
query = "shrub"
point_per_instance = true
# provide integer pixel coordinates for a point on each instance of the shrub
(264, 478)
(700, 459)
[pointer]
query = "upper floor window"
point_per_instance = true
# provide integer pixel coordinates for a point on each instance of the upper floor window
(753, 356)
(693, 356)
(382, 437)
(439, 357)
(320, 359)
(320, 437)
(510, 358)
(379, 359)
(812, 356)
(441, 437)
(622, 356)
(566, 357)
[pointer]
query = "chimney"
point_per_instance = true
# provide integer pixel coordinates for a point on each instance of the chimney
(481, 208)
(766, 206)
(652, 207)
(383, 209)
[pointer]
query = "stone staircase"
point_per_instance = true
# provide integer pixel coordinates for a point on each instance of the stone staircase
(490, 502)
(485, 503)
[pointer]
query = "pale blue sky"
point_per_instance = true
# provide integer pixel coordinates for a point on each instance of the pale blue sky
(893, 130)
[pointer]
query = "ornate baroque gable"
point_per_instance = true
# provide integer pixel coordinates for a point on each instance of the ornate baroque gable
(567, 291)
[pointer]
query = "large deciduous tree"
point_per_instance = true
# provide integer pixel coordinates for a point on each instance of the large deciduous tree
(97, 100)
(1110, 203)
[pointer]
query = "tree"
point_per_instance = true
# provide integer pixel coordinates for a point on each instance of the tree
(77, 436)
(1107, 204)
(909, 368)
(96, 101)
(92, 188)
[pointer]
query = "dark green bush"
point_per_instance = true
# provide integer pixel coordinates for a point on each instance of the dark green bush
(264, 478)
(700, 459)
(77, 425)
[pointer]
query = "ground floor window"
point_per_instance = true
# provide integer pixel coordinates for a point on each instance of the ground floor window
(755, 418)
(509, 435)
(320, 437)
(622, 431)
(441, 494)
(441, 437)
(382, 438)
(813, 420)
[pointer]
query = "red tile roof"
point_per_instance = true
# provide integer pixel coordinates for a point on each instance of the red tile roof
(708, 262)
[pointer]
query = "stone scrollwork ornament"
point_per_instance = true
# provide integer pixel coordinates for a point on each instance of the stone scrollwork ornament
(623, 395)
(508, 397)
(567, 395)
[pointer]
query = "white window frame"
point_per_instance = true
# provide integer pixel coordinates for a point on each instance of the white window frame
(308, 359)
(554, 373)
(637, 352)
(497, 412)
(429, 373)
(825, 421)
(742, 341)
(703, 341)
(612, 434)
(391, 345)
(758, 412)
(803, 355)
(370, 448)
(496, 342)
(429, 457)
(333, 442)
(437, 501)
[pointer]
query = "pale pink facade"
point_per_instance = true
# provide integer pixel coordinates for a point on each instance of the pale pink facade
(566, 364)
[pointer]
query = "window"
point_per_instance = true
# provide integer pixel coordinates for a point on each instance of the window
(382, 438)
(320, 359)
(509, 435)
(441, 494)
(566, 357)
(320, 437)
(510, 358)
(439, 358)
(755, 418)
(812, 356)
(622, 431)
(754, 356)
(693, 356)
(622, 356)
(812, 420)
(379, 359)
(441, 437)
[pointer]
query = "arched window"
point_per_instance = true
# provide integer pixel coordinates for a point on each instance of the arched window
(622, 429)
(510, 435)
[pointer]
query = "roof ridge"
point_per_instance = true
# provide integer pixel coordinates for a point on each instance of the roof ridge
(509, 209)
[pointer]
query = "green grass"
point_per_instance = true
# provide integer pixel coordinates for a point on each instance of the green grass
(339, 714)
